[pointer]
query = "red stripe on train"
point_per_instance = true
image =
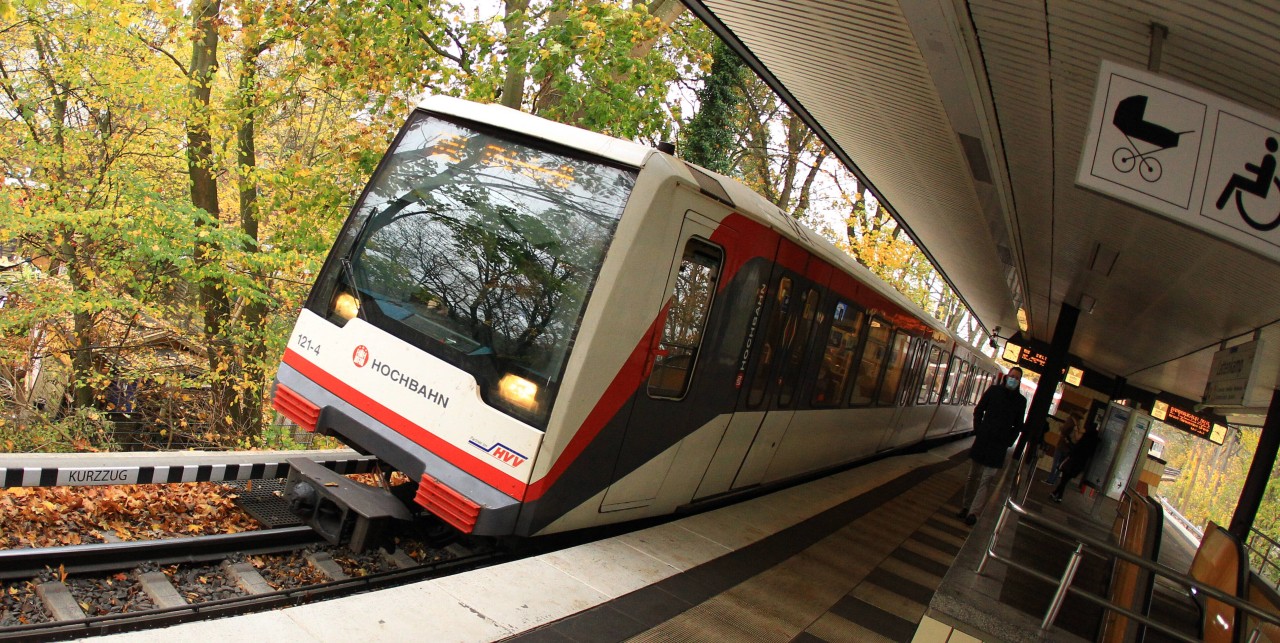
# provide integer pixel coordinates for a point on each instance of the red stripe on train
(623, 386)
(743, 240)
(469, 463)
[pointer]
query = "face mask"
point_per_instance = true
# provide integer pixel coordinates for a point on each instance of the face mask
(1010, 382)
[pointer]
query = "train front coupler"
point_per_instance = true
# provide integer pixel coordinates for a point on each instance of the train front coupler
(342, 510)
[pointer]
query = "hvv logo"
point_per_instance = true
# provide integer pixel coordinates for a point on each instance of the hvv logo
(501, 453)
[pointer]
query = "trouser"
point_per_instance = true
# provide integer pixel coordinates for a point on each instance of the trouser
(1059, 454)
(1067, 477)
(978, 488)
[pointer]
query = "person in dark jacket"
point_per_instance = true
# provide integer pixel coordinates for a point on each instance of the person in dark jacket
(1077, 461)
(996, 421)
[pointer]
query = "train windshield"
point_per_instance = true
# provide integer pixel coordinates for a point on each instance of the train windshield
(480, 248)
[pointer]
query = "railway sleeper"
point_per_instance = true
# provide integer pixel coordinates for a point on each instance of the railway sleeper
(343, 511)
(58, 601)
(247, 577)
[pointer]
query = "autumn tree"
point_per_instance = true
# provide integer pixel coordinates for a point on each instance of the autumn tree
(82, 153)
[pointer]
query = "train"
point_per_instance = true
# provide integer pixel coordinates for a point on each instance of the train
(548, 329)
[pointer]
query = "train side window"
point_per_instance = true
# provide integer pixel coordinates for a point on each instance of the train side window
(959, 372)
(915, 371)
(979, 385)
(873, 358)
(897, 366)
(795, 344)
(966, 384)
(838, 354)
(686, 318)
(974, 378)
(930, 374)
(760, 379)
(938, 384)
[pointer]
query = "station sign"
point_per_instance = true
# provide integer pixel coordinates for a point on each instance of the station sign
(1185, 154)
(1176, 415)
(1233, 377)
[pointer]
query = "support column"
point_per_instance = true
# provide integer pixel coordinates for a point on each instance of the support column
(1255, 484)
(1054, 368)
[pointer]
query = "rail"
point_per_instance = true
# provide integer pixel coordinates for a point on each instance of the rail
(1013, 509)
(1264, 556)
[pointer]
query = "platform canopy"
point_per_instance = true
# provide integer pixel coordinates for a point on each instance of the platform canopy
(969, 119)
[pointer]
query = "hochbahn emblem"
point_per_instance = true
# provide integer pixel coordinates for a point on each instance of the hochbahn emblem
(360, 357)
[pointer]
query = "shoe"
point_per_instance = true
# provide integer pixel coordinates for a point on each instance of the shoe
(963, 513)
(1057, 499)
(970, 520)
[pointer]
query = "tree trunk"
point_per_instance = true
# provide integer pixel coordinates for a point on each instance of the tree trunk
(516, 24)
(247, 411)
(204, 195)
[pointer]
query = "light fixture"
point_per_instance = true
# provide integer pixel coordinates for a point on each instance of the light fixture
(346, 305)
(1087, 302)
(518, 391)
(1022, 320)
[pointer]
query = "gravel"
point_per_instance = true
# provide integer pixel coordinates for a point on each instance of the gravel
(113, 595)
(19, 605)
(202, 584)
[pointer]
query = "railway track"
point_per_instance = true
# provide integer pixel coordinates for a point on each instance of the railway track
(59, 593)
(74, 591)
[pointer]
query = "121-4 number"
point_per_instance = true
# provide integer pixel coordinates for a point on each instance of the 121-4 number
(305, 343)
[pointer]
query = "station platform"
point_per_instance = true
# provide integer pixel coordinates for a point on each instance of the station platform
(854, 556)
(1008, 604)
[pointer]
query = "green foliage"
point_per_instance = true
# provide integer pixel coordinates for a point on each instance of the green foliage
(94, 141)
(83, 431)
(709, 136)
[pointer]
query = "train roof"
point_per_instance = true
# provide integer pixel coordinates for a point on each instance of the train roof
(752, 204)
(613, 149)
(745, 200)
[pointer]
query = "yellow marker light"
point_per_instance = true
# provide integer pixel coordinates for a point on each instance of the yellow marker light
(346, 305)
(518, 391)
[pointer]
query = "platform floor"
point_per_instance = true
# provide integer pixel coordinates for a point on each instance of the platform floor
(1006, 604)
(849, 557)
(864, 570)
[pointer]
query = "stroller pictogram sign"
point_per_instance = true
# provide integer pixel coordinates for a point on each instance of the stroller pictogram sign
(1149, 141)
(1145, 139)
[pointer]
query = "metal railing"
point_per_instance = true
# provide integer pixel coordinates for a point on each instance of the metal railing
(1013, 509)
(1264, 556)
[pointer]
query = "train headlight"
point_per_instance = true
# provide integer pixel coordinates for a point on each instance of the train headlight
(346, 305)
(518, 391)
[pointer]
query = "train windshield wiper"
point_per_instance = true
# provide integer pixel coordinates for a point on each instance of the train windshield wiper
(355, 285)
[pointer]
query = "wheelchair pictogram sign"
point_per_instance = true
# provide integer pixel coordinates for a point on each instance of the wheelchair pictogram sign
(1259, 182)
(1242, 188)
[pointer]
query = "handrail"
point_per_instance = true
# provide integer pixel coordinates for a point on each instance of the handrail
(1013, 508)
(1266, 562)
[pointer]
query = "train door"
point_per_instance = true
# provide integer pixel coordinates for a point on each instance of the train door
(792, 346)
(671, 385)
(758, 423)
